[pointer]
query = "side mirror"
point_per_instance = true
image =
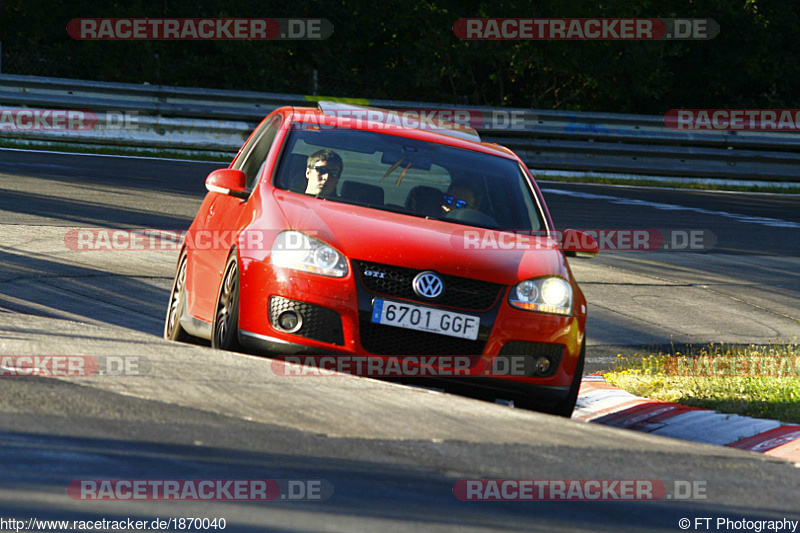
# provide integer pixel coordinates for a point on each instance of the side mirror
(576, 243)
(227, 181)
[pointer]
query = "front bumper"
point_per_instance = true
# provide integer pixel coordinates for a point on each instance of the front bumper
(340, 324)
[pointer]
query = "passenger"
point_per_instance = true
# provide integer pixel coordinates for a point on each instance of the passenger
(323, 170)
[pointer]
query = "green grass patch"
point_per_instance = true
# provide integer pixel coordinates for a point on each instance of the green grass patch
(761, 381)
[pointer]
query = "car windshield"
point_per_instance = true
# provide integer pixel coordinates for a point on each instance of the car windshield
(413, 177)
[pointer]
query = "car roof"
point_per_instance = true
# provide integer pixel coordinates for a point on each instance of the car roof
(314, 115)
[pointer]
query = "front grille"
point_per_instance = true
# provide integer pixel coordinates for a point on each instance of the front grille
(381, 339)
(319, 323)
(462, 293)
(529, 351)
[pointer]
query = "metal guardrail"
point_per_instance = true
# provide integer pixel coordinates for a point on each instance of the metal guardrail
(219, 120)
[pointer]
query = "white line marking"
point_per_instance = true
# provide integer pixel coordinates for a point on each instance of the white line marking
(632, 186)
(765, 221)
(633, 178)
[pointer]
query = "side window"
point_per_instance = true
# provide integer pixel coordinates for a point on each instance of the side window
(254, 157)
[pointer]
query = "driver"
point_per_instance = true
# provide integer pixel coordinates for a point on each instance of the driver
(323, 170)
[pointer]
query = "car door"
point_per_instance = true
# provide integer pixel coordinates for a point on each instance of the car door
(216, 233)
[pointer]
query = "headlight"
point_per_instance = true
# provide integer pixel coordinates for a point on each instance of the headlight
(544, 295)
(298, 251)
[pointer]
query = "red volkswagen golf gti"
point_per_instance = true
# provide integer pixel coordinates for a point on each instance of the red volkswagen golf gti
(329, 235)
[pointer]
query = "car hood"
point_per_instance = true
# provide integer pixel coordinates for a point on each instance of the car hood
(384, 237)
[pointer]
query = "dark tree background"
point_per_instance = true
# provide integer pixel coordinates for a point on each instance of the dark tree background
(406, 50)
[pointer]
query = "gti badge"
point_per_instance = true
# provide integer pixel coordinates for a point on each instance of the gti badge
(375, 274)
(428, 284)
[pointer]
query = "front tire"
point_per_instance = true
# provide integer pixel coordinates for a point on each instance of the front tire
(225, 333)
(566, 406)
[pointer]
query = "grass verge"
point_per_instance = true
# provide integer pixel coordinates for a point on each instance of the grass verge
(761, 381)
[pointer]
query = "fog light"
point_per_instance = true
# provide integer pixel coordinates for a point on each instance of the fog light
(290, 321)
(542, 365)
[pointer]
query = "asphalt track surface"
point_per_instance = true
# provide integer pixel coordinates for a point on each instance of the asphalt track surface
(392, 453)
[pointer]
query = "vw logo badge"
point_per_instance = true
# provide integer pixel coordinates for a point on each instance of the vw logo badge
(428, 284)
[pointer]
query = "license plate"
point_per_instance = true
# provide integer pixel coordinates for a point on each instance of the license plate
(409, 316)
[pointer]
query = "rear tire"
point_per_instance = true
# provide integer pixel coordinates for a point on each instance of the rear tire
(173, 330)
(225, 333)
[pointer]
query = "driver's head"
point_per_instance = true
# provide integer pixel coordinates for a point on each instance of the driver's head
(459, 196)
(323, 170)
